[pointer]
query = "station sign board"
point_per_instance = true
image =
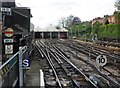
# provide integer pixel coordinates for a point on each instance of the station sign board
(9, 32)
(6, 9)
(26, 63)
(8, 40)
(8, 49)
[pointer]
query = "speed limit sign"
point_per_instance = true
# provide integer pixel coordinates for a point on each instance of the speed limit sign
(101, 60)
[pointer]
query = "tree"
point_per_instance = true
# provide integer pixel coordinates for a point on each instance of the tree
(117, 3)
(96, 27)
(66, 21)
(69, 20)
(62, 21)
(76, 21)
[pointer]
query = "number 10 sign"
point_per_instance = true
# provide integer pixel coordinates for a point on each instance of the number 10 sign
(101, 60)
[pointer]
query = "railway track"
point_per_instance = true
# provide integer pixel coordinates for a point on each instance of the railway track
(116, 44)
(94, 51)
(86, 49)
(59, 71)
(55, 51)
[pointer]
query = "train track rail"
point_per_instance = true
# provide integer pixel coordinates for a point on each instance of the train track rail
(116, 44)
(63, 71)
(54, 52)
(87, 50)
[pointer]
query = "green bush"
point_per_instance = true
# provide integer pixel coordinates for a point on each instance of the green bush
(109, 31)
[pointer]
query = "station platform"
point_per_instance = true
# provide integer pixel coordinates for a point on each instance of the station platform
(32, 76)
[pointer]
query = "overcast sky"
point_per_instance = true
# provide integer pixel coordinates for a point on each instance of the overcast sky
(47, 12)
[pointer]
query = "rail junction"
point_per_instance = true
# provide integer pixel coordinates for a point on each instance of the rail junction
(72, 63)
(50, 58)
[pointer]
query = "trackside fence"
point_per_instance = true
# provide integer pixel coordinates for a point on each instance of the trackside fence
(10, 71)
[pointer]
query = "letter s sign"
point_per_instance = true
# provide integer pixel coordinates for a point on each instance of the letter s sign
(26, 63)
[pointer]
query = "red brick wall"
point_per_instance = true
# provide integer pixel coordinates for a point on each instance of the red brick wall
(111, 19)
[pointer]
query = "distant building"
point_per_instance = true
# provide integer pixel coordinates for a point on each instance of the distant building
(112, 19)
(99, 19)
(51, 32)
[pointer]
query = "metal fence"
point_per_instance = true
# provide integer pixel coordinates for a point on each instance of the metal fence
(10, 71)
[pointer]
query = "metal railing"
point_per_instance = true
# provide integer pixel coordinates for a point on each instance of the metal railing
(9, 71)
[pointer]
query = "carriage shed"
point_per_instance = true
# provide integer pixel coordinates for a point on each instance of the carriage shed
(51, 32)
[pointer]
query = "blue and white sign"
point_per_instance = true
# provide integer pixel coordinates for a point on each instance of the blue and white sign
(26, 63)
(8, 40)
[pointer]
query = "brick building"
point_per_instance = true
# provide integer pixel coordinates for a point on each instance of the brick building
(112, 19)
(99, 19)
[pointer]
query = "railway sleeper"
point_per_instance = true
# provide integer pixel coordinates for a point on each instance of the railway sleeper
(50, 83)
(78, 83)
(66, 83)
(66, 70)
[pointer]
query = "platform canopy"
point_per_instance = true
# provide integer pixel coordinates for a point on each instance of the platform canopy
(50, 28)
(38, 29)
(63, 30)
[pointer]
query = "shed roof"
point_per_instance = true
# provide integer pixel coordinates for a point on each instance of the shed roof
(63, 30)
(50, 28)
